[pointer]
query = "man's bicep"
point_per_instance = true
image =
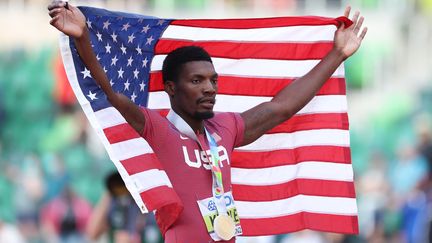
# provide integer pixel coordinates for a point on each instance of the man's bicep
(259, 119)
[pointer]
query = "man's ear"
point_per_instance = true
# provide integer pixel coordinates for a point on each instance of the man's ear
(169, 87)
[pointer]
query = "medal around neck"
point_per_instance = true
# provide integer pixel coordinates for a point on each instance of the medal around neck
(224, 227)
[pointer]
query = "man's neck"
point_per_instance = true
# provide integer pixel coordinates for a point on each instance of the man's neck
(197, 125)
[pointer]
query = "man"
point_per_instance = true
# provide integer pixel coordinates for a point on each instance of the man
(192, 143)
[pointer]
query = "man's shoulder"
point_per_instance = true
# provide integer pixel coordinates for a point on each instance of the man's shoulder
(155, 118)
(229, 123)
(222, 115)
(225, 118)
(154, 112)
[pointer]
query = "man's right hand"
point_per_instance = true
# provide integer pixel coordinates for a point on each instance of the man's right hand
(71, 21)
(67, 18)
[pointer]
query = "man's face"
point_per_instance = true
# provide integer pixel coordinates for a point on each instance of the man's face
(195, 91)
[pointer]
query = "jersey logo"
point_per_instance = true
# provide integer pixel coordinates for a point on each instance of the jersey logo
(184, 138)
(200, 158)
(211, 206)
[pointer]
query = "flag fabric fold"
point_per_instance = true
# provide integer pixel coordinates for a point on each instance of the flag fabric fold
(297, 176)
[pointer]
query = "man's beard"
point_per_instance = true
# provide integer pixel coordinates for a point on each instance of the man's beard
(204, 115)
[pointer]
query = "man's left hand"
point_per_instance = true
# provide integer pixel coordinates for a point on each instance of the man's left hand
(348, 40)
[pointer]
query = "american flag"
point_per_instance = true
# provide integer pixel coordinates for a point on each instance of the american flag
(297, 176)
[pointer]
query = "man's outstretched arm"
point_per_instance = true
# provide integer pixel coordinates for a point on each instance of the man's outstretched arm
(69, 20)
(294, 97)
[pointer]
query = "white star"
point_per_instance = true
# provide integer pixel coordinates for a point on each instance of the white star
(99, 36)
(139, 50)
(111, 82)
(126, 85)
(120, 73)
(108, 48)
(133, 97)
(142, 86)
(114, 37)
(105, 70)
(160, 22)
(114, 60)
(149, 40)
(92, 96)
(131, 38)
(86, 73)
(97, 57)
(126, 26)
(106, 24)
(129, 61)
(145, 29)
(89, 23)
(123, 49)
(140, 20)
(145, 61)
(136, 72)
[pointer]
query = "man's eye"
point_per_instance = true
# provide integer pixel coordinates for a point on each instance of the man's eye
(195, 81)
(215, 81)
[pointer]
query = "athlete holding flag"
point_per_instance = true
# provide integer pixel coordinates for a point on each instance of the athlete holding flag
(191, 127)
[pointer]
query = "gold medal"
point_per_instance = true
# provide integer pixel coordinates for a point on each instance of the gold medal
(224, 227)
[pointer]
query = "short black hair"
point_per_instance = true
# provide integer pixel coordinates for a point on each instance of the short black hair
(175, 59)
(112, 181)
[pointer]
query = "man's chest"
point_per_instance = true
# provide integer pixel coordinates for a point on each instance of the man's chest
(180, 151)
(188, 162)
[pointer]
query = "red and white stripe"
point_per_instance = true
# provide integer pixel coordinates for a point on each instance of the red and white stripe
(298, 175)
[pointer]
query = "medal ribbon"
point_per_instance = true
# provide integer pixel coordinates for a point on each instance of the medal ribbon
(217, 188)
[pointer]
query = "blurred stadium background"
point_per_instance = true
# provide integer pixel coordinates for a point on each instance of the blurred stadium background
(47, 146)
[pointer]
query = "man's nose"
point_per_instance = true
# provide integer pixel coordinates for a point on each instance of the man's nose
(209, 86)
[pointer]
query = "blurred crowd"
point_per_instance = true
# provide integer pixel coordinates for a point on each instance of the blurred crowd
(51, 163)
(56, 182)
